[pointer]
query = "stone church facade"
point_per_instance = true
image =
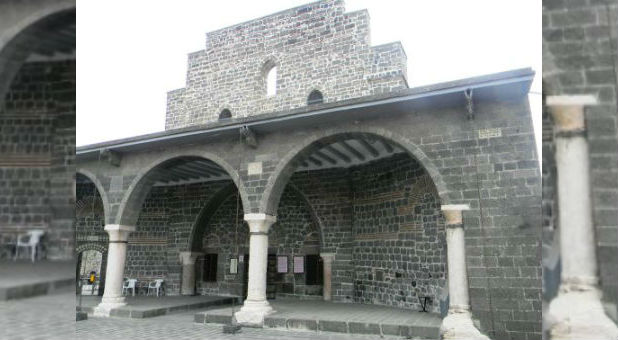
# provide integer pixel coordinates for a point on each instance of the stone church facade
(298, 163)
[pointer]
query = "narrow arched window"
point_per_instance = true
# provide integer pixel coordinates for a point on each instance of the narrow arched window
(315, 97)
(225, 114)
(271, 79)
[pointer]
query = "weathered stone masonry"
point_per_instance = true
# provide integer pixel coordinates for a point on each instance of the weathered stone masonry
(229, 73)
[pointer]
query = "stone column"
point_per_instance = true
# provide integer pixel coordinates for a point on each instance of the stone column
(256, 307)
(114, 275)
(458, 323)
(576, 312)
(327, 262)
(187, 259)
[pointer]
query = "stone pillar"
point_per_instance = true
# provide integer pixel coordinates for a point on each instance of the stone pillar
(458, 323)
(256, 307)
(114, 275)
(187, 259)
(576, 312)
(327, 262)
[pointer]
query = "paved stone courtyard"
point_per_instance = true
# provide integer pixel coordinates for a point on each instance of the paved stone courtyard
(47, 317)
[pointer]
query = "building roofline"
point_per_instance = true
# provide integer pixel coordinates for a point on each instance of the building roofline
(265, 16)
(524, 75)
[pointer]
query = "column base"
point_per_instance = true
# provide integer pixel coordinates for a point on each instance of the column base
(459, 325)
(579, 315)
(104, 308)
(252, 313)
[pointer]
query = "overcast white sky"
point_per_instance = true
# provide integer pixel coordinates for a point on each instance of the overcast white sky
(131, 52)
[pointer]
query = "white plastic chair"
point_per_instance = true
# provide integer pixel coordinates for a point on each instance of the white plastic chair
(33, 240)
(129, 284)
(156, 285)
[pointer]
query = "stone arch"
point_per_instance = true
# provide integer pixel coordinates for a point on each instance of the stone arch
(100, 247)
(102, 193)
(13, 56)
(203, 218)
(130, 206)
(284, 170)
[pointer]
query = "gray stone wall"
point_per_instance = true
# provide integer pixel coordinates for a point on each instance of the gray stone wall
(37, 148)
(579, 57)
(314, 46)
(399, 235)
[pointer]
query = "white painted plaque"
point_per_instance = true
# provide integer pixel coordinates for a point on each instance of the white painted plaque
(233, 266)
(254, 168)
(490, 133)
(299, 264)
(282, 264)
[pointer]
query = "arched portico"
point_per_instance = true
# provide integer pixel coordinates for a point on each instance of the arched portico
(286, 165)
(375, 142)
(135, 194)
(173, 169)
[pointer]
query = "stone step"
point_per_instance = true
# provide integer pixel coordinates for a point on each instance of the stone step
(141, 312)
(26, 290)
(349, 327)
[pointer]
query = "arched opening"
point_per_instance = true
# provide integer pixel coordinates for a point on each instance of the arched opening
(221, 235)
(270, 78)
(225, 114)
(315, 97)
(89, 271)
(91, 238)
(164, 203)
(381, 220)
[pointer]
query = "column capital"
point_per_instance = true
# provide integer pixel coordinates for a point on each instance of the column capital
(568, 111)
(327, 257)
(189, 257)
(260, 223)
(453, 213)
(118, 232)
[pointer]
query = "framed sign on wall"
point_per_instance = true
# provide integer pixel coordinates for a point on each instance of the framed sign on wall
(299, 264)
(282, 264)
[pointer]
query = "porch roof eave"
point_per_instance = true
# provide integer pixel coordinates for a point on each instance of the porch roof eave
(497, 86)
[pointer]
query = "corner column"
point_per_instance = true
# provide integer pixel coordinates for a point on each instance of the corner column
(187, 259)
(576, 312)
(116, 258)
(256, 307)
(327, 262)
(458, 323)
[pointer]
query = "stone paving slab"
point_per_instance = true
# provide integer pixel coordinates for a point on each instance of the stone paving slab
(139, 307)
(23, 279)
(320, 316)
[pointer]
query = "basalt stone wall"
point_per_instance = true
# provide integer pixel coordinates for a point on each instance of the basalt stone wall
(231, 72)
(399, 235)
(148, 244)
(579, 57)
(37, 147)
(89, 218)
(329, 193)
